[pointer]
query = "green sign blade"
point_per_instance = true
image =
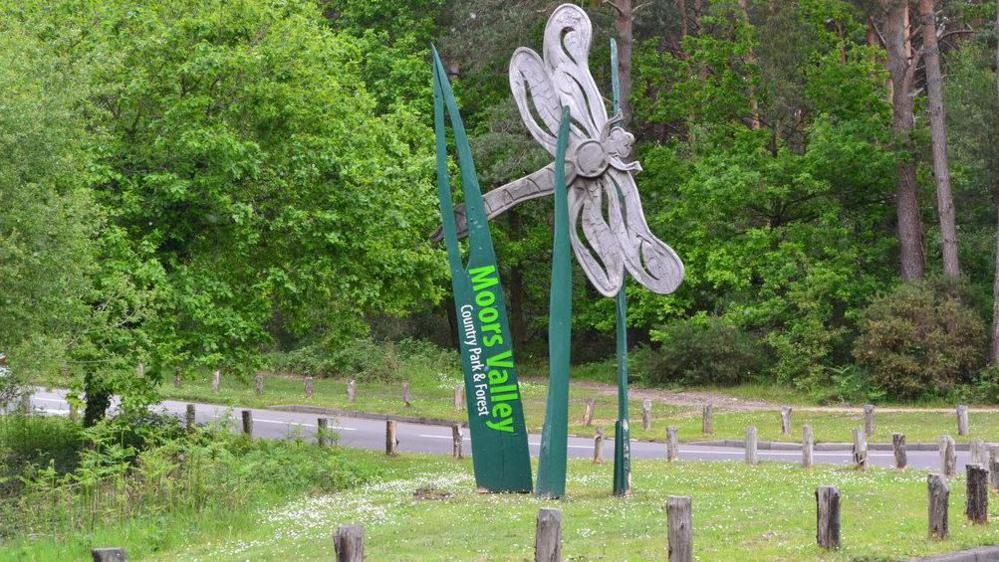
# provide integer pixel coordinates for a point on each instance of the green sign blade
(500, 451)
(554, 444)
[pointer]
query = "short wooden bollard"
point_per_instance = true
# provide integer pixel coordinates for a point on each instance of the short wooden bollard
(785, 420)
(680, 530)
(869, 420)
(310, 387)
(898, 447)
(248, 422)
(598, 446)
(456, 441)
(588, 412)
(948, 456)
(189, 417)
(351, 391)
(807, 447)
(390, 440)
(707, 424)
(177, 381)
(406, 398)
(647, 414)
(74, 413)
(962, 420)
(322, 430)
(548, 536)
(859, 449)
(977, 507)
(348, 542)
(258, 384)
(994, 468)
(109, 555)
(939, 497)
(751, 443)
(459, 398)
(672, 445)
(827, 517)
(217, 381)
(978, 452)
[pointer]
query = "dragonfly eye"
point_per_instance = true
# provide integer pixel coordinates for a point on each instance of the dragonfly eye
(619, 143)
(591, 159)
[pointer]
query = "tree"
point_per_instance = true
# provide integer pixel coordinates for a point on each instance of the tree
(902, 67)
(625, 38)
(938, 133)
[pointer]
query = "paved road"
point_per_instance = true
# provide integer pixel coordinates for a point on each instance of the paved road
(370, 434)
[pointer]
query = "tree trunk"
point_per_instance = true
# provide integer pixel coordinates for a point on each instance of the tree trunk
(754, 105)
(910, 228)
(624, 40)
(994, 348)
(938, 134)
(515, 286)
(98, 399)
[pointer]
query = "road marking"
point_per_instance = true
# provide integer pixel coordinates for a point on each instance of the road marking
(336, 428)
(448, 437)
(56, 400)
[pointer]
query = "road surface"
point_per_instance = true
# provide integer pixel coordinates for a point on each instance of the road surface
(435, 439)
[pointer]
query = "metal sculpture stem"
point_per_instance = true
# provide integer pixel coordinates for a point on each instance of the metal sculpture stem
(554, 434)
(622, 441)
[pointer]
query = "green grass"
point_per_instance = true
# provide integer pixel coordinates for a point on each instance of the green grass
(433, 398)
(761, 513)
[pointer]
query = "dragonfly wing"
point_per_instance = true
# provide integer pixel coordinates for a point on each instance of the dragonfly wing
(536, 97)
(566, 49)
(649, 260)
(597, 249)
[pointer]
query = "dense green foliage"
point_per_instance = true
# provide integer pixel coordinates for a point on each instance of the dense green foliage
(203, 185)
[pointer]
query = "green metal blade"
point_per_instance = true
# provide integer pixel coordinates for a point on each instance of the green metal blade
(554, 446)
(500, 453)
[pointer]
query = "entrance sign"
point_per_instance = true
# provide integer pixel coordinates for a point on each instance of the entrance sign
(500, 453)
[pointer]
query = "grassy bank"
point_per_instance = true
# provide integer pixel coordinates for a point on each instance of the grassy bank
(761, 513)
(434, 397)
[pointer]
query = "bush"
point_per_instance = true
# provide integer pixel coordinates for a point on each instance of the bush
(366, 360)
(920, 340)
(703, 350)
(986, 385)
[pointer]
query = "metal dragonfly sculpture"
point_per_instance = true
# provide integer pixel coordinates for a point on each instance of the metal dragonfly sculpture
(606, 224)
(603, 197)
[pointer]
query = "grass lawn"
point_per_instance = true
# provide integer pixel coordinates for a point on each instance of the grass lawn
(433, 398)
(763, 513)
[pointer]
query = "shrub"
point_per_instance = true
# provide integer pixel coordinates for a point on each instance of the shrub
(367, 360)
(703, 350)
(920, 340)
(986, 385)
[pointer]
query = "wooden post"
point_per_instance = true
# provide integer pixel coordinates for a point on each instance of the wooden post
(351, 391)
(456, 439)
(672, 445)
(939, 496)
(948, 456)
(598, 446)
(751, 456)
(258, 384)
(459, 398)
(977, 507)
(217, 381)
(24, 403)
(177, 382)
(348, 542)
(109, 555)
(785, 420)
(680, 531)
(807, 447)
(869, 420)
(74, 413)
(859, 449)
(994, 468)
(588, 413)
(962, 420)
(978, 452)
(248, 422)
(310, 387)
(406, 398)
(898, 447)
(707, 424)
(827, 517)
(548, 536)
(323, 428)
(647, 414)
(190, 417)
(390, 440)
(140, 369)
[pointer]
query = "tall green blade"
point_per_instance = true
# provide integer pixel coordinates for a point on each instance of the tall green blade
(500, 452)
(622, 441)
(554, 446)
